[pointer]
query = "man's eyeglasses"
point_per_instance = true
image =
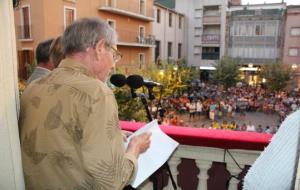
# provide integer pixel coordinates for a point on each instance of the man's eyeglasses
(117, 56)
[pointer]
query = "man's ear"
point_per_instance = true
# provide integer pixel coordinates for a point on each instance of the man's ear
(100, 46)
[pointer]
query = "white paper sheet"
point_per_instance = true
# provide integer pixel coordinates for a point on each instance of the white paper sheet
(161, 148)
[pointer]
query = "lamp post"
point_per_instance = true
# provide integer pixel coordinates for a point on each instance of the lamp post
(294, 68)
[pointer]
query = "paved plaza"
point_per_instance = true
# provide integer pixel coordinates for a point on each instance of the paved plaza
(257, 118)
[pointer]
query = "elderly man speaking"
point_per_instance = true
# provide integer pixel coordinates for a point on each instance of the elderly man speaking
(70, 135)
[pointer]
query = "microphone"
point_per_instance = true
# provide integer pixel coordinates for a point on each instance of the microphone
(118, 80)
(135, 81)
(150, 84)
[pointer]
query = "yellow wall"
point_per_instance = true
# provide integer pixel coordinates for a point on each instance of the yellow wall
(47, 21)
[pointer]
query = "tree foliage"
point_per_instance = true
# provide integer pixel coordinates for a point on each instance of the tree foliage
(276, 75)
(174, 77)
(129, 109)
(227, 72)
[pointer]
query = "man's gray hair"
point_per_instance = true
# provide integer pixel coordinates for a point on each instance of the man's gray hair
(86, 32)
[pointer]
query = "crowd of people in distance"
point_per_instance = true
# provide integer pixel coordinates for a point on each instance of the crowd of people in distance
(222, 107)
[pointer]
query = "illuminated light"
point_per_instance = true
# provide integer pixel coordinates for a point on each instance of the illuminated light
(294, 66)
(248, 69)
(207, 68)
(264, 80)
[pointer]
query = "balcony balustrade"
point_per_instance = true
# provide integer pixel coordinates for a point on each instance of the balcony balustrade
(134, 38)
(211, 39)
(127, 8)
(211, 19)
(207, 158)
(211, 56)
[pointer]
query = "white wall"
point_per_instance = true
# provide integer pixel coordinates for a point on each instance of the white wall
(11, 175)
(165, 34)
(191, 22)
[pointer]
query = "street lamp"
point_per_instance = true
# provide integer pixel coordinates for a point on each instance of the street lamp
(294, 67)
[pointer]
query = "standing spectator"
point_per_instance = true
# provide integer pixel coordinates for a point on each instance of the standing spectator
(250, 127)
(56, 51)
(44, 65)
(259, 129)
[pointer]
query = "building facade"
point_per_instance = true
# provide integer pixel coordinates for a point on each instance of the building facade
(291, 51)
(37, 20)
(205, 23)
(255, 33)
(255, 36)
(168, 29)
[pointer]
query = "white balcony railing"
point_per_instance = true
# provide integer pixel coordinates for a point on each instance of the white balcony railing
(211, 38)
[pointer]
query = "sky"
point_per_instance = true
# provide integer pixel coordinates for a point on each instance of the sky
(289, 2)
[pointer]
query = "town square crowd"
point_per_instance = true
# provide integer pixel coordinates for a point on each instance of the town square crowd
(223, 107)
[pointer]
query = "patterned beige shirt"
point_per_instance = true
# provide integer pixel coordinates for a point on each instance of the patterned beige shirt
(70, 135)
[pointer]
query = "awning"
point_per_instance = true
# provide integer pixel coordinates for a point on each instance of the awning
(209, 68)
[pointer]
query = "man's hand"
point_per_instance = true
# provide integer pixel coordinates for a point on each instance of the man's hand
(126, 134)
(139, 144)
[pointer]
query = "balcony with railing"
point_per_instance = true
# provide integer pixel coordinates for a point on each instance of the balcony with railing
(131, 38)
(24, 32)
(210, 39)
(127, 8)
(212, 19)
(206, 159)
(211, 55)
(211, 15)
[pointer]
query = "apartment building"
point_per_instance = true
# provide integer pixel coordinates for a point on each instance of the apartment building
(168, 29)
(37, 20)
(255, 33)
(291, 51)
(205, 22)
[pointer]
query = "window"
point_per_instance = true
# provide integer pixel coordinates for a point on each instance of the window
(141, 37)
(259, 30)
(169, 49)
(110, 3)
(170, 19)
(157, 49)
(25, 23)
(142, 7)
(198, 13)
(158, 16)
(180, 22)
(111, 23)
(179, 50)
(295, 31)
(293, 51)
(197, 50)
(141, 59)
(197, 31)
(70, 15)
(142, 31)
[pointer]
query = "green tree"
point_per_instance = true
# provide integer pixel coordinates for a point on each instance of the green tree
(276, 75)
(227, 72)
(129, 109)
(174, 77)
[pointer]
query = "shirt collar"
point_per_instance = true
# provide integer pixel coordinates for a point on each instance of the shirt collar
(75, 65)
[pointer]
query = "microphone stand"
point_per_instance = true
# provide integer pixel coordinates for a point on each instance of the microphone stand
(165, 165)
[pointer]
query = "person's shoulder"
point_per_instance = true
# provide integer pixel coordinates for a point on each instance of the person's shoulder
(79, 82)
